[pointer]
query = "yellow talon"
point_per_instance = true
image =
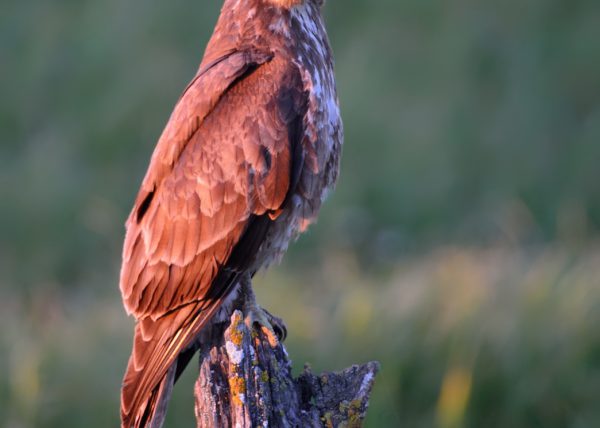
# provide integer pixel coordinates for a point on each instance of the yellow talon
(272, 327)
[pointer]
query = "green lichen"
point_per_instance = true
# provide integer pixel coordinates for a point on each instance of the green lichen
(351, 413)
(354, 414)
(356, 404)
(327, 420)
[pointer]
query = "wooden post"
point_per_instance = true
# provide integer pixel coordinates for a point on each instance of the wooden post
(245, 381)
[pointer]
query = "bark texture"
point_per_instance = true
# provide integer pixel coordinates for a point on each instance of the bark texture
(246, 381)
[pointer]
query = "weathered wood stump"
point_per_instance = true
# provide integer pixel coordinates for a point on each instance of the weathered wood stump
(246, 381)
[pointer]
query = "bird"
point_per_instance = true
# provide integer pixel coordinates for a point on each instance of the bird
(241, 169)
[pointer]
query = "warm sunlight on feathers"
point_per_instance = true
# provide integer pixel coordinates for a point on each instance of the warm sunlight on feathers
(286, 3)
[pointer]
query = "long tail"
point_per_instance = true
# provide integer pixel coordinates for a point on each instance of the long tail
(161, 350)
(161, 347)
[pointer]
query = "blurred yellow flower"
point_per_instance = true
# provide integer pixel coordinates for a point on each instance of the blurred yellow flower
(454, 397)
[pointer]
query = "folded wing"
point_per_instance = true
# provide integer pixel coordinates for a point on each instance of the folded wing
(222, 168)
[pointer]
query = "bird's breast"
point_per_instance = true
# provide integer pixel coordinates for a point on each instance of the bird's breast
(321, 142)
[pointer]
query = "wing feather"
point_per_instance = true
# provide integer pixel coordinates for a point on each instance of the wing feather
(221, 168)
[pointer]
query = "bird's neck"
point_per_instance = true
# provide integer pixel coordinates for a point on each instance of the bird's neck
(245, 24)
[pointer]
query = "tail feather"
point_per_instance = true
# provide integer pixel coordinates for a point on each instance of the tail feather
(162, 347)
(161, 350)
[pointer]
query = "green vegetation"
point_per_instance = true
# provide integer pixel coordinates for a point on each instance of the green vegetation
(460, 248)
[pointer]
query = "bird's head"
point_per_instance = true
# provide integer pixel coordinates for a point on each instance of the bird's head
(288, 4)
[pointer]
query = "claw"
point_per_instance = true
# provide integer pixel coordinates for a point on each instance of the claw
(277, 324)
(272, 326)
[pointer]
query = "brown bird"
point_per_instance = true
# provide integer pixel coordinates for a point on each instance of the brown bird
(242, 166)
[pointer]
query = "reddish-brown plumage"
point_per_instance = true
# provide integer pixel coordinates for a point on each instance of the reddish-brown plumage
(240, 169)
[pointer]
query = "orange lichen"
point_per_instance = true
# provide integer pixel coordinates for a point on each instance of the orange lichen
(237, 387)
(236, 331)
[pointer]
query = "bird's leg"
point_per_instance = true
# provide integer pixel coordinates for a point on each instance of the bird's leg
(256, 317)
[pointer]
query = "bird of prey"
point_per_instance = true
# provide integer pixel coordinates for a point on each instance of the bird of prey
(241, 168)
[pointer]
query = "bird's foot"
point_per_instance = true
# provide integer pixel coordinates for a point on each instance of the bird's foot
(273, 327)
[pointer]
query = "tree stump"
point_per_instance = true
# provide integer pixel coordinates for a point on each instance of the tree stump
(246, 381)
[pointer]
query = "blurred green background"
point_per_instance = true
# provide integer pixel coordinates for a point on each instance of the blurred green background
(460, 249)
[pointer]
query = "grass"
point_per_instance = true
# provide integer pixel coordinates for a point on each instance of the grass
(467, 337)
(468, 122)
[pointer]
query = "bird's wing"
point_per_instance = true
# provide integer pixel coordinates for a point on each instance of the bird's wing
(224, 155)
(223, 166)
